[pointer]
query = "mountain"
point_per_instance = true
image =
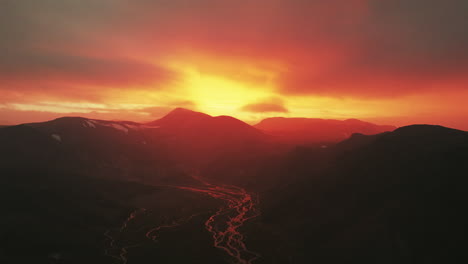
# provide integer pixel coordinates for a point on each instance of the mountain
(184, 122)
(105, 149)
(73, 184)
(180, 118)
(183, 138)
(398, 196)
(315, 130)
(219, 190)
(199, 139)
(130, 150)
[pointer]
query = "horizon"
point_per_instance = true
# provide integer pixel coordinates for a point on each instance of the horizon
(384, 62)
(249, 123)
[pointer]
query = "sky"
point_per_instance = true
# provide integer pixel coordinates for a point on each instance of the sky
(394, 62)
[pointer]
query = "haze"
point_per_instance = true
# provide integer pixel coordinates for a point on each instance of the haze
(395, 62)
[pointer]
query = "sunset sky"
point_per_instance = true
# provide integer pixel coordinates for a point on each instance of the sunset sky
(386, 61)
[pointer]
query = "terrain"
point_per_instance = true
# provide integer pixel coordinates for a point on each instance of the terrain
(302, 131)
(192, 188)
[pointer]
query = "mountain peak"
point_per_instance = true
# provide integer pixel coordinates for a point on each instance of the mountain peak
(179, 115)
(418, 130)
(181, 110)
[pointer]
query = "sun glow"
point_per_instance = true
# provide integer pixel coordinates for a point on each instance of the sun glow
(218, 94)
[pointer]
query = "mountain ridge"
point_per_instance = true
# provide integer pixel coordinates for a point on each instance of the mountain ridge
(300, 130)
(332, 204)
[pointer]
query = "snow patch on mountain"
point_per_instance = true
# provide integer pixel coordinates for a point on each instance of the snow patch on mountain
(57, 137)
(89, 123)
(132, 126)
(116, 126)
(119, 127)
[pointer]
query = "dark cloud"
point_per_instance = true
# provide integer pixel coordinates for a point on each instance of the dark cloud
(400, 47)
(62, 68)
(66, 49)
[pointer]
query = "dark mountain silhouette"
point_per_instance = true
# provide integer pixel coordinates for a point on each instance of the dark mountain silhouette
(130, 150)
(77, 190)
(118, 150)
(185, 122)
(398, 196)
(315, 130)
(181, 117)
(199, 139)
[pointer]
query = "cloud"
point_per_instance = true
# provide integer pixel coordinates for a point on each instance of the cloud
(273, 105)
(398, 48)
(338, 48)
(34, 69)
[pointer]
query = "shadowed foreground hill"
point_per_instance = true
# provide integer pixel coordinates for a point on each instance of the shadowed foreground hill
(76, 188)
(397, 197)
(119, 150)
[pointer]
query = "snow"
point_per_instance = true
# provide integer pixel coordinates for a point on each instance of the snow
(94, 123)
(115, 126)
(131, 126)
(57, 137)
(89, 123)
(124, 127)
(139, 126)
(119, 127)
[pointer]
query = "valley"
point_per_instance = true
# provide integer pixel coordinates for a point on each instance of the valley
(195, 189)
(237, 207)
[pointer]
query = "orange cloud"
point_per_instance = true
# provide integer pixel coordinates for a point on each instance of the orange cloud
(267, 106)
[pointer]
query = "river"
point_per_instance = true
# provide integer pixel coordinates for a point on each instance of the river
(238, 207)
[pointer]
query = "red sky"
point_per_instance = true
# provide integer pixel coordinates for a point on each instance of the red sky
(396, 62)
